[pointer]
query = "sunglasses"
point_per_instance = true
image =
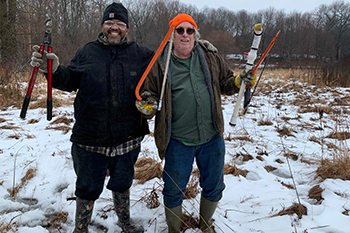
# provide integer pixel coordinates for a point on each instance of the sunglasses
(181, 31)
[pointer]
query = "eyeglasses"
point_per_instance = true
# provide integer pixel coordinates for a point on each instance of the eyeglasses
(112, 23)
(181, 31)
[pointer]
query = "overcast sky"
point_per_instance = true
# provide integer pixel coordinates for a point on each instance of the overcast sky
(253, 6)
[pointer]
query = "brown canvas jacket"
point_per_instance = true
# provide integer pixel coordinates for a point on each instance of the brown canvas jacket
(220, 80)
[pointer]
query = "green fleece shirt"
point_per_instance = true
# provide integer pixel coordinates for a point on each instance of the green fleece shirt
(192, 121)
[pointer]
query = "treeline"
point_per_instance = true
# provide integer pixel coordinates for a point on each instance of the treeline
(306, 39)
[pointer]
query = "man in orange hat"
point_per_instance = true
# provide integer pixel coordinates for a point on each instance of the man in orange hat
(190, 124)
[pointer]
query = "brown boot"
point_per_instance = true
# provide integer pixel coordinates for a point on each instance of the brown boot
(83, 215)
(122, 208)
(173, 218)
(206, 211)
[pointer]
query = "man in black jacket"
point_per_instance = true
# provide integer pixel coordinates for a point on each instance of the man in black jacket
(108, 129)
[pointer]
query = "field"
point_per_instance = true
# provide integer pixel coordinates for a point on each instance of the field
(287, 163)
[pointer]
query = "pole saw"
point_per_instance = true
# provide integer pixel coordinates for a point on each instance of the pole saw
(156, 55)
(249, 63)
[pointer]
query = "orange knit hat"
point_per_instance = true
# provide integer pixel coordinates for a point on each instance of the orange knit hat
(182, 18)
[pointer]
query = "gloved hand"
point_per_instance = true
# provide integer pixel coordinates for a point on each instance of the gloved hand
(247, 77)
(148, 105)
(41, 62)
(209, 46)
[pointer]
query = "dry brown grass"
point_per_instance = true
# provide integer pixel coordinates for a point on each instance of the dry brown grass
(279, 161)
(291, 155)
(63, 119)
(152, 199)
(295, 208)
(269, 168)
(58, 220)
(265, 122)
(7, 227)
(242, 138)
(289, 186)
(339, 135)
(146, 169)
(317, 140)
(31, 172)
(188, 222)
(244, 157)
(336, 168)
(192, 188)
(285, 131)
(14, 85)
(63, 128)
(316, 193)
(233, 170)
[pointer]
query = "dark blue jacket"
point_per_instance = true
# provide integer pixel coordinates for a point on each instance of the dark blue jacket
(106, 78)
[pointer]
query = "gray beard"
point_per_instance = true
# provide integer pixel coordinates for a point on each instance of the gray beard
(104, 40)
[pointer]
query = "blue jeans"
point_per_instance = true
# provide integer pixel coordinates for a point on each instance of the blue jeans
(91, 169)
(210, 159)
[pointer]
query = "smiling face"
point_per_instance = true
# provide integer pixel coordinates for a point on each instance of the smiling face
(114, 30)
(184, 43)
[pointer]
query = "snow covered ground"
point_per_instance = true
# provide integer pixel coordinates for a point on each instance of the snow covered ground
(249, 203)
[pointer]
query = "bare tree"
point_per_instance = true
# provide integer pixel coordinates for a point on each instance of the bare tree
(8, 40)
(337, 17)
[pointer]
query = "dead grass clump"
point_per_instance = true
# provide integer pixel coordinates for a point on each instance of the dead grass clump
(259, 157)
(31, 172)
(262, 152)
(307, 161)
(316, 193)
(9, 126)
(325, 109)
(289, 186)
(332, 146)
(146, 169)
(63, 128)
(192, 188)
(269, 168)
(33, 121)
(60, 218)
(2, 120)
(265, 122)
(296, 208)
(39, 103)
(152, 199)
(315, 139)
(291, 155)
(14, 136)
(188, 222)
(339, 135)
(6, 227)
(344, 195)
(285, 131)
(10, 96)
(286, 119)
(62, 119)
(233, 170)
(242, 138)
(337, 168)
(244, 157)
(279, 161)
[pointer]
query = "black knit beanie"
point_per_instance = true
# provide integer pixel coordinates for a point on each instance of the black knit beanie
(116, 11)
